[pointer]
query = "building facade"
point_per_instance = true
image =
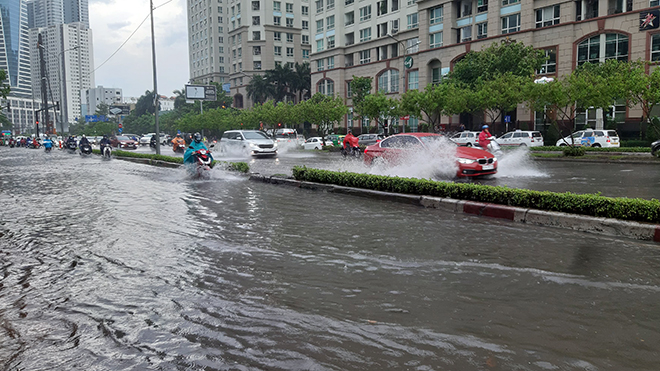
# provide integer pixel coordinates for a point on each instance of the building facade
(93, 97)
(207, 37)
(408, 44)
(67, 50)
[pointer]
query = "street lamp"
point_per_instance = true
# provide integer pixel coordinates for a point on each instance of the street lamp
(403, 64)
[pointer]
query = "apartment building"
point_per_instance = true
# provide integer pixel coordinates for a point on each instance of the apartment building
(207, 40)
(262, 35)
(407, 44)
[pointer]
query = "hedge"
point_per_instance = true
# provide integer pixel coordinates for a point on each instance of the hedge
(634, 209)
(242, 167)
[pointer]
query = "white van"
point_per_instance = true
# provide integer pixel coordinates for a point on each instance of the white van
(591, 138)
(521, 138)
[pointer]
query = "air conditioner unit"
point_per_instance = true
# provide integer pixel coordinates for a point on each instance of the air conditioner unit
(394, 27)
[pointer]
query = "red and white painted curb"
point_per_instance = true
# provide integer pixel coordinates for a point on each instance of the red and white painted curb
(606, 226)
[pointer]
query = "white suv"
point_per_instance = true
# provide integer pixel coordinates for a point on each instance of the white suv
(521, 138)
(250, 142)
(466, 138)
(591, 138)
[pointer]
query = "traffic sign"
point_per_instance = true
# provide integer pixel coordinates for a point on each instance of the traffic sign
(120, 130)
(121, 125)
(408, 62)
(406, 117)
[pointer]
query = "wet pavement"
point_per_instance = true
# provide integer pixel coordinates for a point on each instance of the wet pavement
(116, 265)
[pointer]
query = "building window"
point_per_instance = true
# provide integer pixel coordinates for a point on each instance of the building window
(331, 42)
(547, 16)
(349, 18)
(550, 65)
(326, 87)
(277, 21)
(465, 34)
(482, 30)
(511, 23)
(256, 35)
(278, 50)
(305, 39)
(256, 50)
(413, 80)
(509, 2)
(349, 90)
(436, 15)
(655, 47)
(319, 6)
(256, 5)
(349, 2)
(256, 21)
(412, 45)
(289, 52)
(654, 3)
(602, 47)
(365, 56)
(320, 65)
(319, 45)
(435, 40)
(348, 60)
(381, 7)
(365, 13)
(331, 62)
(365, 34)
(319, 26)
(305, 25)
(277, 36)
(277, 6)
(305, 54)
(330, 23)
(586, 9)
(257, 65)
(466, 8)
(289, 7)
(482, 6)
(289, 22)
(305, 10)
(412, 21)
(395, 5)
(330, 4)
(289, 37)
(388, 81)
(350, 39)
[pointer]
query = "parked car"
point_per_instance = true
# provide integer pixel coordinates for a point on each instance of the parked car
(289, 136)
(369, 139)
(315, 143)
(521, 138)
(466, 138)
(655, 148)
(252, 142)
(591, 138)
(336, 140)
(165, 139)
(470, 161)
(121, 141)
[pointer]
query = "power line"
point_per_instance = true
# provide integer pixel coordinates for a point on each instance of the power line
(129, 37)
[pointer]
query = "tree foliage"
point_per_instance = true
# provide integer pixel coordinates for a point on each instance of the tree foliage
(323, 111)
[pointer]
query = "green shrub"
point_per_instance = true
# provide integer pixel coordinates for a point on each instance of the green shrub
(635, 143)
(242, 167)
(635, 209)
(595, 149)
(573, 151)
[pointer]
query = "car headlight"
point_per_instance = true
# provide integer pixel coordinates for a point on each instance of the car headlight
(466, 161)
(254, 145)
(275, 145)
(494, 159)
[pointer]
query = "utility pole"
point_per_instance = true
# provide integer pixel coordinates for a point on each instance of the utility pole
(153, 58)
(44, 95)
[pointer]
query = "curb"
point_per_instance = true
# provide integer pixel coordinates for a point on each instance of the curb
(583, 223)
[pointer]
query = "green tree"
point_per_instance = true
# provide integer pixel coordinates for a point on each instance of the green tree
(323, 111)
(380, 108)
(280, 78)
(501, 94)
(302, 81)
(4, 92)
(259, 89)
(432, 103)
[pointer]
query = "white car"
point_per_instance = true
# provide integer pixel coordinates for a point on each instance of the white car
(289, 137)
(466, 138)
(251, 142)
(521, 138)
(146, 139)
(591, 138)
(315, 143)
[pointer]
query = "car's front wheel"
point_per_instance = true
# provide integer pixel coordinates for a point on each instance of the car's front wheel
(469, 145)
(595, 145)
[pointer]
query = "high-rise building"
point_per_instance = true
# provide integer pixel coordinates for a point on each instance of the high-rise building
(67, 50)
(237, 39)
(44, 13)
(408, 44)
(91, 98)
(15, 60)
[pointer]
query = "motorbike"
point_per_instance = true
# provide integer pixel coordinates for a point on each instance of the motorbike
(178, 148)
(351, 152)
(33, 146)
(655, 148)
(106, 152)
(493, 147)
(85, 149)
(152, 143)
(48, 146)
(71, 146)
(202, 162)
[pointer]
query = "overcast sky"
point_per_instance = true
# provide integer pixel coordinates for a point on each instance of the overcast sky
(113, 21)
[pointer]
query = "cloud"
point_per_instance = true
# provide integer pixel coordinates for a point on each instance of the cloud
(113, 22)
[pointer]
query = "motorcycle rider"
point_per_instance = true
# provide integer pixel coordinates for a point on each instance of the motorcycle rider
(152, 141)
(48, 144)
(483, 137)
(104, 142)
(83, 141)
(71, 142)
(195, 145)
(350, 143)
(178, 142)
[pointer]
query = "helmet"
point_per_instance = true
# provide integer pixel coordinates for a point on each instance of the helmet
(197, 137)
(178, 135)
(105, 136)
(84, 136)
(485, 127)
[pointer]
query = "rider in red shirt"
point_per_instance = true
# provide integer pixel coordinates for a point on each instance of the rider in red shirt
(351, 142)
(483, 137)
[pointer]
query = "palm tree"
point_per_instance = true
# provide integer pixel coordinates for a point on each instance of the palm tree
(280, 79)
(301, 83)
(259, 89)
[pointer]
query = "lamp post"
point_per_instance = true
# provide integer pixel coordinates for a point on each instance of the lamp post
(60, 80)
(404, 65)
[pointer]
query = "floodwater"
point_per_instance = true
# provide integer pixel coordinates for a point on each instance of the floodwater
(113, 265)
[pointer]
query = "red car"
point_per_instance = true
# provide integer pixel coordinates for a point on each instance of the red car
(394, 150)
(122, 141)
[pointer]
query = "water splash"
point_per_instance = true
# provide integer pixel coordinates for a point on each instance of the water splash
(517, 163)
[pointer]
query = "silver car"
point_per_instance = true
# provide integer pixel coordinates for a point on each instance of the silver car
(251, 142)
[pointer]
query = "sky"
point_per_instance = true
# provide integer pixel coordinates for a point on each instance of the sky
(113, 21)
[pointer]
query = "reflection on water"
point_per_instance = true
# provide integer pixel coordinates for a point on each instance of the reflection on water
(117, 265)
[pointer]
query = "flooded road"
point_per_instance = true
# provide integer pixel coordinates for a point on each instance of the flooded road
(116, 265)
